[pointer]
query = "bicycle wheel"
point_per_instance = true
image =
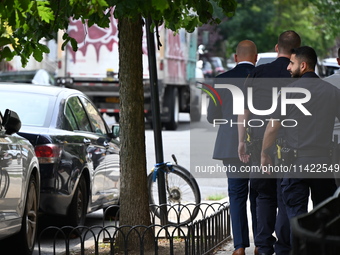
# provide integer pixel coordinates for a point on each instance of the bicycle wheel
(182, 195)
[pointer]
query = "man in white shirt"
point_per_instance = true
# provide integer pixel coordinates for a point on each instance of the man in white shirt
(335, 78)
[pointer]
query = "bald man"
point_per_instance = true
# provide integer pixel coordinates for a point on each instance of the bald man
(227, 143)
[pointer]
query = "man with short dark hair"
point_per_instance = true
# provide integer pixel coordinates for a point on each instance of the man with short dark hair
(310, 141)
(270, 208)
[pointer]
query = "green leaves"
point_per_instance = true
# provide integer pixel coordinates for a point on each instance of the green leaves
(228, 7)
(160, 5)
(6, 53)
(45, 12)
(31, 20)
(39, 50)
(68, 39)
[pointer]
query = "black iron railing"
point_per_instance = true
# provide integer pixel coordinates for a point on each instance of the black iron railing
(209, 229)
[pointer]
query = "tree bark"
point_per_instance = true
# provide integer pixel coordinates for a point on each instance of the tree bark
(134, 204)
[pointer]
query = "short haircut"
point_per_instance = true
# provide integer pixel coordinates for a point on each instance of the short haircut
(306, 54)
(339, 53)
(287, 41)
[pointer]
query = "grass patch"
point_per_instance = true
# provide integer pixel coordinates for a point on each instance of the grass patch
(163, 248)
(216, 197)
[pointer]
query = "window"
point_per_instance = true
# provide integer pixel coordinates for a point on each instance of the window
(76, 115)
(95, 118)
(32, 112)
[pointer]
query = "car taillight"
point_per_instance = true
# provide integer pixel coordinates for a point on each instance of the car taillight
(48, 153)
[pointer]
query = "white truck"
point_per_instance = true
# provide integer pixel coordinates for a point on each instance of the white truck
(93, 69)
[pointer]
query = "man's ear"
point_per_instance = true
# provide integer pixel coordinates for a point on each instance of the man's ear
(338, 59)
(303, 66)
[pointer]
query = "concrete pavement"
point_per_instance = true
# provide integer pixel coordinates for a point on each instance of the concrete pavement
(228, 247)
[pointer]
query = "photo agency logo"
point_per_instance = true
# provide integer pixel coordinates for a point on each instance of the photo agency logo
(211, 92)
(239, 103)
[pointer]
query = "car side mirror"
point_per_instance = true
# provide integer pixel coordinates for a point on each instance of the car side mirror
(115, 130)
(11, 122)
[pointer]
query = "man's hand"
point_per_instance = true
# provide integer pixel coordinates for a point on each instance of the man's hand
(266, 160)
(242, 152)
(268, 140)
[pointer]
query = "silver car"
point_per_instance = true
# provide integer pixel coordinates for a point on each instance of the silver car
(19, 187)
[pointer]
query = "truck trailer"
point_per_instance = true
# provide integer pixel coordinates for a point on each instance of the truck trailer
(94, 70)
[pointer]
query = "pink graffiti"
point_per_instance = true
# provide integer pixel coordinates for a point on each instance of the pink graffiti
(97, 36)
(176, 59)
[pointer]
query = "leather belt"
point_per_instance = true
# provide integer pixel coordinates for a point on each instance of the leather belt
(312, 153)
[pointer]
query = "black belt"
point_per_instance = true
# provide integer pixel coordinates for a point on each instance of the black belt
(312, 153)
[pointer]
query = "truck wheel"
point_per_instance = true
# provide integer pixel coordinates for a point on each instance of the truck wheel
(195, 105)
(195, 114)
(172, 103)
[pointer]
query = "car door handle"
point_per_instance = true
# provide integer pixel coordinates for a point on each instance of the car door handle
(87, 141)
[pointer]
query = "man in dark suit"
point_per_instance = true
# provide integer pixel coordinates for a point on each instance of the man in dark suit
(270, 206)
(227, 143)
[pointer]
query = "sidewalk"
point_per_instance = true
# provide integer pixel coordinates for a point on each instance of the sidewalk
(228, 247)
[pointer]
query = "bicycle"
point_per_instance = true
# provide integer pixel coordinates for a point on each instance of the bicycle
(182, 193)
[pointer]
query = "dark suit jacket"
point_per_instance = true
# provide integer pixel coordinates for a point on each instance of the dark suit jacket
(226, 145)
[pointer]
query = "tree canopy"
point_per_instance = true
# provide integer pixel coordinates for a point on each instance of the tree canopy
(262, 21)
(25, 23)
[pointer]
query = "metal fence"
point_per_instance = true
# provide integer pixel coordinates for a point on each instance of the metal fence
(209, 229)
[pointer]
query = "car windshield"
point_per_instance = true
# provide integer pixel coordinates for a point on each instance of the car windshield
(265, 60)
(33, 109)
(17, 77)
(217, 62)
(36, 77)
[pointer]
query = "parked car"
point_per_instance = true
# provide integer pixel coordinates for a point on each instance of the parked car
(218, 64)
(78, 154)
(264, 58)
(329, 66)
(39, 76)
(207, 69)
(212, 66)
(19, 188)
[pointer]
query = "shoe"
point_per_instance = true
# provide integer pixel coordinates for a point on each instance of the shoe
(239, 251)
(256, 251)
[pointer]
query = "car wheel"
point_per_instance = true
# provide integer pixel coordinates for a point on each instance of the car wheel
(171, 101)
(195, 114)
(24, 240)
(78, 208)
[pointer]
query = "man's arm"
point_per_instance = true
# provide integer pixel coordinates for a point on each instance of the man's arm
(241, 135)
(269, 138)
(213, 111)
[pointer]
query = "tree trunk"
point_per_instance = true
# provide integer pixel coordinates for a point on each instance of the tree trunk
(134, 204)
